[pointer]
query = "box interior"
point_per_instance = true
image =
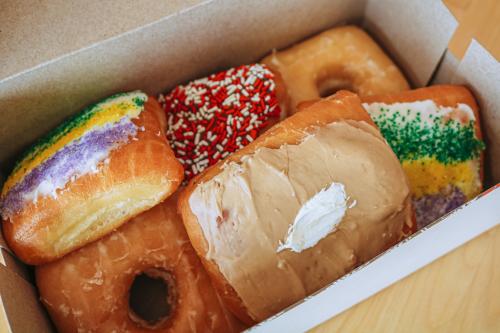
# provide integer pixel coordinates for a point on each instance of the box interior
(215, 35)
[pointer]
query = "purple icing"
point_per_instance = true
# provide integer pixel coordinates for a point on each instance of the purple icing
(69, 162)
(431, 207)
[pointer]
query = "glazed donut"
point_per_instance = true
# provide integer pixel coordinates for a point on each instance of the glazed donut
(339, 58)
(87, 177)
(270, 234)
(145, 277)
(212, 117)
(436, 134)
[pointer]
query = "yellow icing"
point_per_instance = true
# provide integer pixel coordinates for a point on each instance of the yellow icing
(429, 176)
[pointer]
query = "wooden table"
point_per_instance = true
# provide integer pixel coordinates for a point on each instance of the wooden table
(459, 292)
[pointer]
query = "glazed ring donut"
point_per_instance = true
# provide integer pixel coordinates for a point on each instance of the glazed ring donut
(145, 277)
(87, 177)
(339, 58)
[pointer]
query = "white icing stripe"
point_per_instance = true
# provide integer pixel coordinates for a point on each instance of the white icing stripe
(427, 109)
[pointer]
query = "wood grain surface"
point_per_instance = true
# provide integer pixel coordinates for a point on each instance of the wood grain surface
(459, 292)
(479, 19)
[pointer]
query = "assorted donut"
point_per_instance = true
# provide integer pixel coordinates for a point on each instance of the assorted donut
(212, 117)
(340, 58)
(256, 193)
(436, 134)
(87, 177)
(231, 197)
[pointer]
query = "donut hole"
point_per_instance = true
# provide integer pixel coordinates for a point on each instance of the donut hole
(330, 85)
(152, 298)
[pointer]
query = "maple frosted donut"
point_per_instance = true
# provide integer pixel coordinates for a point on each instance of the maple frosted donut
(144, 277)
(436, 134)
(339, 58)
(313, 197)
(212, 117)
(87, 177)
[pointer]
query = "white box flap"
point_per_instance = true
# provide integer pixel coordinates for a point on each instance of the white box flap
(402, 25)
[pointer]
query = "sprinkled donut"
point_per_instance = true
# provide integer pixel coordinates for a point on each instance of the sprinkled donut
(209, 118)
(87, 177)
(436, 134)
(144, 277)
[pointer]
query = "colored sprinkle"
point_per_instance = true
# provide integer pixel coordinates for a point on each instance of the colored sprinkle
(80, 157)
(212, 117)
(110, 110)
(448, 141)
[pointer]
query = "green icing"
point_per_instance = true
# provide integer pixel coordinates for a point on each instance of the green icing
(411, 138)
(68, 125)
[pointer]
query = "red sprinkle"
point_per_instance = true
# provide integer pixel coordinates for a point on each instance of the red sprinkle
(206, 116)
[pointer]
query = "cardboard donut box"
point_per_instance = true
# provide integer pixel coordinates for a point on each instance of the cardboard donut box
(200, 39)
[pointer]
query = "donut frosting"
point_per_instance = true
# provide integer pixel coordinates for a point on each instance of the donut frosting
(439, 151)
(246, 210)
(212, 117)
(71, 150)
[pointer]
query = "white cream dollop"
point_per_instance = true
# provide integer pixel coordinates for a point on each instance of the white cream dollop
(426, 110)
(317, 218)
